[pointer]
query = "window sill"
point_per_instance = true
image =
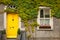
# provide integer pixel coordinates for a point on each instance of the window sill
(44, 28)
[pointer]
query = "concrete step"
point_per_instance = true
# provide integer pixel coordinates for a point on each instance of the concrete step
(11, 39)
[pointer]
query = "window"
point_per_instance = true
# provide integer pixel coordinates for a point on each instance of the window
(11, 6)
(44, 18)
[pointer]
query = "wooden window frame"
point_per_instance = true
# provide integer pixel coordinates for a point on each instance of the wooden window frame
(38, 20)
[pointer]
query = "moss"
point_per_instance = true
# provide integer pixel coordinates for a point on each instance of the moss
(18, 31)
(3, 31)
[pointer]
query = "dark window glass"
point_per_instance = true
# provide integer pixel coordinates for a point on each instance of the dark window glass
(41, 13)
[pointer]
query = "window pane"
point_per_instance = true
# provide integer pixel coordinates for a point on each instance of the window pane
(41, 22)
(47, 13)
(47, 21)
(41, 13)
(44, 22)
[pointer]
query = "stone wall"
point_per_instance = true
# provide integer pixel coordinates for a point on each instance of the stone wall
(1, 21)
(49, 34)
(2, 16)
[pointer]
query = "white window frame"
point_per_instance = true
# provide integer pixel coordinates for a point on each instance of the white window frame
(38, 19)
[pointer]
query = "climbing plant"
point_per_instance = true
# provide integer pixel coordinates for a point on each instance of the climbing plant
(28, 9)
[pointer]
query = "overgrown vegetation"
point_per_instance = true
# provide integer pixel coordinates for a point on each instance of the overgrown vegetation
(28, 9)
